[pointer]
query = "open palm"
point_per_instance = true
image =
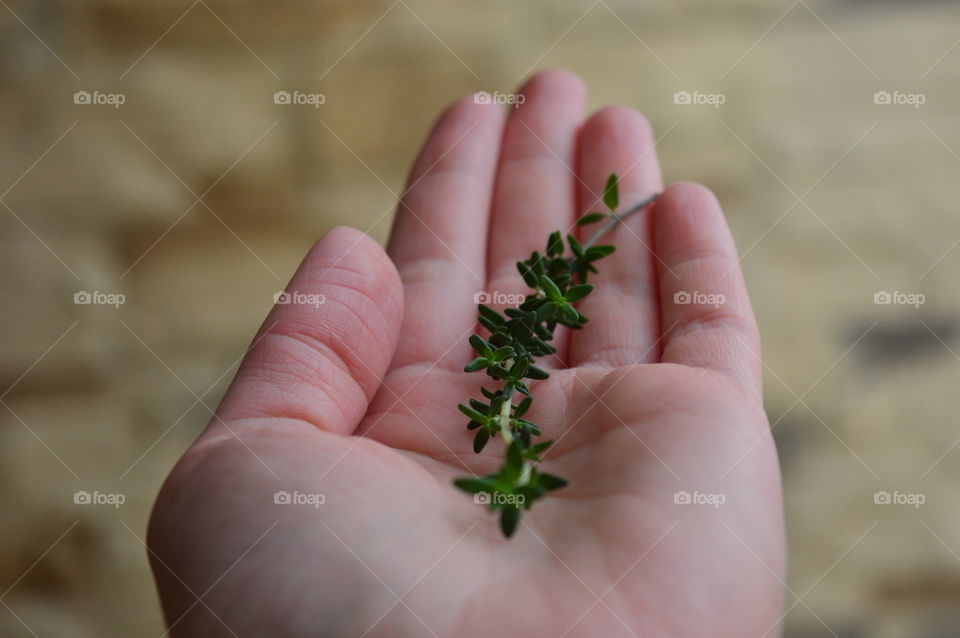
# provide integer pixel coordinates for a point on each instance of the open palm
(319, 501)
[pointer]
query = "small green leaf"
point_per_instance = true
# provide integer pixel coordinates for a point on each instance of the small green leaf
(479, 406)
(475, 486)
(569, 312)
(575, 246)
(555, 244)
(481, 347)
(535, 373)
(519, 369)
(473, 414)
(480, 440)
(534, 428)
(515, 457)
(498, 372)
(576, 293)
(551, 482)
(477, 364)
(522, 407)
(492, 315)
(522, 329)
(611, 193)
(550, 289)
(509, 519)
(530, 494)
(536, 263)
(529, 276)
(592, 218)
(599, 252)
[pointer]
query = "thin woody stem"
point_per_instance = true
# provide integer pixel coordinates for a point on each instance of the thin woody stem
(615, 220)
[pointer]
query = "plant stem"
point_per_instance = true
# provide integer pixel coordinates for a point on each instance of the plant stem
(617, 218)
(505, 408)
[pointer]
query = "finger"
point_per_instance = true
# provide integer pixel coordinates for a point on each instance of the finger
(439, 236)
(535, 192)
(624, 319)
(705, 311)
(320, 357)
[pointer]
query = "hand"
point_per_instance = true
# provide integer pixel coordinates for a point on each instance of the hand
(356, 400)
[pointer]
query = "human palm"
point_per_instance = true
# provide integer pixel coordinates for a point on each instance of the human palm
(355, 400)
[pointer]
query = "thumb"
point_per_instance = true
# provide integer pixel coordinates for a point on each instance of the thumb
(324, 348)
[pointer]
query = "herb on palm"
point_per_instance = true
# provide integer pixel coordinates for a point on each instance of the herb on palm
(517, 337)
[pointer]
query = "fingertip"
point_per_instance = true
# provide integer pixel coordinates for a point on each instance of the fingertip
(688, 196)
(617, 117)
(555, 79)
(687, 214)
(354, 249)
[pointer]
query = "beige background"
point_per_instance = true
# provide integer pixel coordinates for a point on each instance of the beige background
(832, 198)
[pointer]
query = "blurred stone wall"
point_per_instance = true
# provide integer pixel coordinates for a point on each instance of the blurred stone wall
(197, 196)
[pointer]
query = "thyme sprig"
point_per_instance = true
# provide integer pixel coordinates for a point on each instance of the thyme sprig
(516, 338)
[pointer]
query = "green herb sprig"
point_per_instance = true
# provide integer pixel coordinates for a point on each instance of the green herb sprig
(516, 338)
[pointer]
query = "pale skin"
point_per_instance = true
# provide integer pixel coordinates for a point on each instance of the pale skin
(357, 400)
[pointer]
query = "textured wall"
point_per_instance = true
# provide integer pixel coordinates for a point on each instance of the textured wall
(196, 197)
